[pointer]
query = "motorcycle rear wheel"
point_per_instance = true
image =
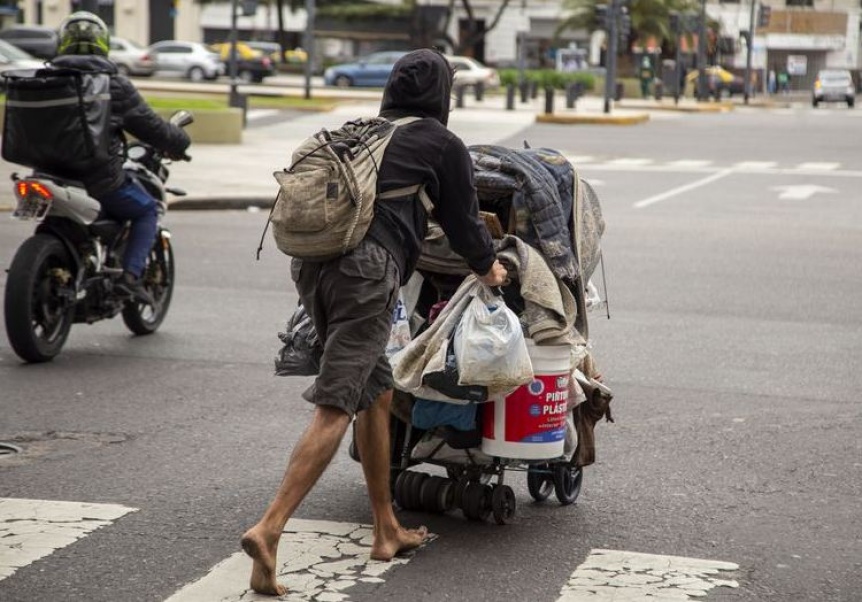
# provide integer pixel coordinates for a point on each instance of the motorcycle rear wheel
(158, 279)
(38, 319)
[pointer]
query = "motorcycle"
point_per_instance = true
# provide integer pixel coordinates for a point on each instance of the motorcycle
(68, 271)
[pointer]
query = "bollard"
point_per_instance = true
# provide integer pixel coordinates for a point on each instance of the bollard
(459, 97)
(479, 90)
(571, 95)
(525, 91)
(510, 97)
(659, 89)
(618, 91)
(239, 101)
(549, 100)
(534, 90)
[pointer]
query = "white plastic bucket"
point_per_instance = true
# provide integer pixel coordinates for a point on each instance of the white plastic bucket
(530, 422)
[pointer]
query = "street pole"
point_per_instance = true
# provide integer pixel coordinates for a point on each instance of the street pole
(310, 10)
(611, 62)
(701, 53)
(748, 54)
(233, 99)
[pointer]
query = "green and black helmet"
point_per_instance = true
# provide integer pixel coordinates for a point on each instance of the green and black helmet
(83, 33)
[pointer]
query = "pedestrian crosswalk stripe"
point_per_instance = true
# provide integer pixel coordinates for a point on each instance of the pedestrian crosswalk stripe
(317, 560)
(630, 162)
(613, 575)
(33, 529)
(819, 166)
(689, 163)
(755, 165)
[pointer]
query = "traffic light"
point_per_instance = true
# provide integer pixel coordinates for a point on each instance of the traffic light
(601, 16)
(763, 14)
(625, 26)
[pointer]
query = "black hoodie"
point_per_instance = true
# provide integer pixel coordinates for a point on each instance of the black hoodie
(425, 152)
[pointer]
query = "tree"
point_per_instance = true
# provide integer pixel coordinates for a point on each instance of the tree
(650, 18)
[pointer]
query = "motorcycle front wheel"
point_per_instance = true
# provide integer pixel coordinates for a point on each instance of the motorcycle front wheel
(39, 306)
(158, 279)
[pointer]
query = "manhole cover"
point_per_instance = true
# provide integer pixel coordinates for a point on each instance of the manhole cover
(7, 449)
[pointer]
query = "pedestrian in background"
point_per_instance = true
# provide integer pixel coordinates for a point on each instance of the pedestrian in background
(350, 300)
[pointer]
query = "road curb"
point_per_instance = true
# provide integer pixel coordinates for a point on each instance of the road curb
(592, 119)
(708, 108)
(216, 202)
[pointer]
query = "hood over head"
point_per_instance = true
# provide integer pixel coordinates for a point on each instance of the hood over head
(420, 84)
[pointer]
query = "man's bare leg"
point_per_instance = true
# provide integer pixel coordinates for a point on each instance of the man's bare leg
(309, 459)
(372, 438)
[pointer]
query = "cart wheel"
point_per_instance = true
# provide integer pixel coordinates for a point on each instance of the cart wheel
(503, 504)
(540, 482)
(414, 490)
(428, 494)
(446, 495)
(399, 489)
(567, 482)
(477, 501)
(460, 486)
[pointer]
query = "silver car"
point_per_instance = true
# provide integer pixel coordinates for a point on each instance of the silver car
(834, 85)
(192, 60)
(130, 58)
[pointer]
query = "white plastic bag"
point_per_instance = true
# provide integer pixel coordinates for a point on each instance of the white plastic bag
(489, 345)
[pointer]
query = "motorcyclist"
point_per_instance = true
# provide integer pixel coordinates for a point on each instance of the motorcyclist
(84, 42)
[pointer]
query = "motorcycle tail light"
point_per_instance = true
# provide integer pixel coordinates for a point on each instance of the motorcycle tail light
(27, 188)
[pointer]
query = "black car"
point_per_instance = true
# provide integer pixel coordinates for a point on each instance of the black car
(36, 40)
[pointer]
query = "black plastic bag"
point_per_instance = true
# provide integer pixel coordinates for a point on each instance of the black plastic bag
(302, 349)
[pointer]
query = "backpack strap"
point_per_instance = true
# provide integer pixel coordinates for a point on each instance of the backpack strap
(409, 190)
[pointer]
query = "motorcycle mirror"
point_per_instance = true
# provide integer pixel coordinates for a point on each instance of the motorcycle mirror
(182, 118)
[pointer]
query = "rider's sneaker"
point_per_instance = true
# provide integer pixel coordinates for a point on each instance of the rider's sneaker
(134, 289)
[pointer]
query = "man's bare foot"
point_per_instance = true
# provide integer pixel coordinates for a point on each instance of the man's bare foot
(262, 549)
(387, 546)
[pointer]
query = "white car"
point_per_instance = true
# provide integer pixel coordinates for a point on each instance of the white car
(469, 72)
(130, 58)
(12, 58)
(192, 60)
(834, 85)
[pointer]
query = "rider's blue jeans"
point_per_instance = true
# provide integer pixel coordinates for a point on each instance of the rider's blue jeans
(132, 202)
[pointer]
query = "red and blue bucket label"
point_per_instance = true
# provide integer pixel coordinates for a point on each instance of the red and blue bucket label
(535, 412)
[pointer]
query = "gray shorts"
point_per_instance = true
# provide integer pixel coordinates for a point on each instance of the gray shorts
(350, 300)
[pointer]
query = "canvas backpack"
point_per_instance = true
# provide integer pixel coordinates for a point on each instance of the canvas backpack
(326, 197)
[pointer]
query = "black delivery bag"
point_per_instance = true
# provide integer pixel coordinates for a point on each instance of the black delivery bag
(57, 120)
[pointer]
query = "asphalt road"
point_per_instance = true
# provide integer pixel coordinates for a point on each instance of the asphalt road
(732, 263)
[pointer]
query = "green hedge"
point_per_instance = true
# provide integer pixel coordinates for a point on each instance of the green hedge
(548, 78)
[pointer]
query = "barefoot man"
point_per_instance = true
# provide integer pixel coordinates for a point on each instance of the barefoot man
(350, 300)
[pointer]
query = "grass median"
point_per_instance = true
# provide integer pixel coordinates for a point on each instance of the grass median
(211, 102)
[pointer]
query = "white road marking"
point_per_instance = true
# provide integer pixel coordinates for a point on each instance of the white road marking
(578, 159)
(680, 189)
(317, 560)
(690, 163)
(802, 191)
(630, 162)
(746, 165)
(819, 166)
(33, 529)
(614, 576)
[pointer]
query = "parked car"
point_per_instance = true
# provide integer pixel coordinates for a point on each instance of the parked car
(372, 70)
(720, 82)
(131, 58)
(834, 85)
(37, 40)
(251, 65)
(13, 58)
(273, 51)
(192, 60)
(470, 72)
